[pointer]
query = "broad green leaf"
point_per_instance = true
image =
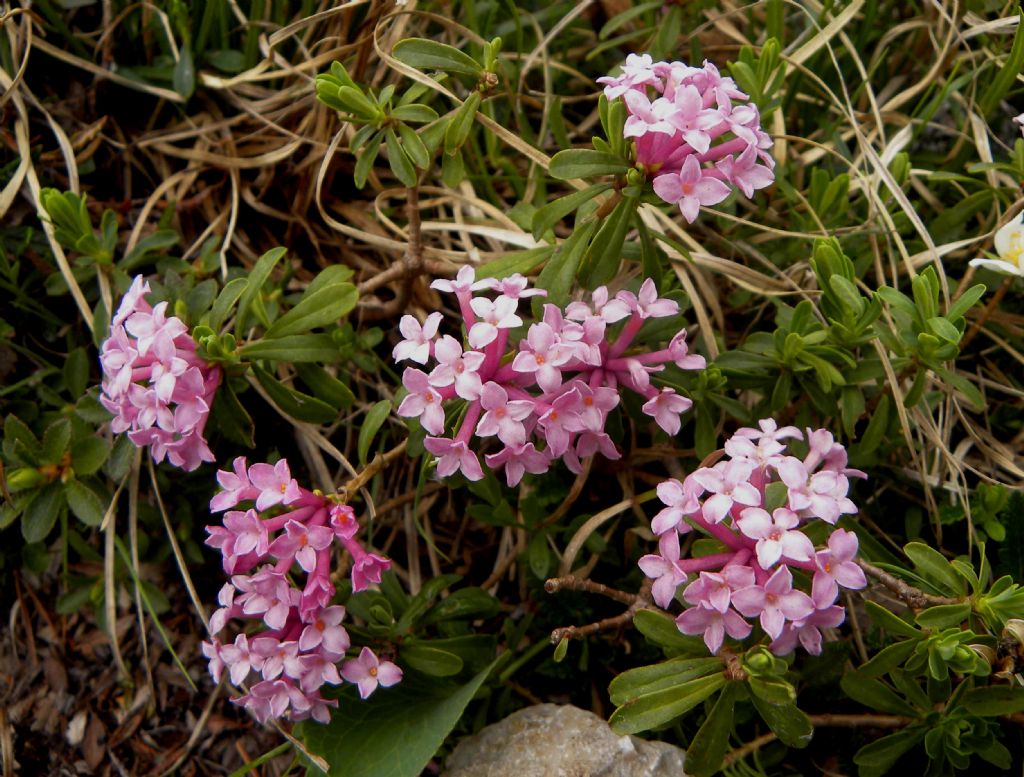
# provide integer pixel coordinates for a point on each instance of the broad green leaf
(84, 503)
(707, 749)
(875, 694)
(425, 54)
(994, 700)
(661, 629)
(368, 155)
(890, 621)
(416, 113)
(422, 657)
(394, 733)
(399, 161)
(538, 555)
(257, 277)
(656, 677)
(789, 723)
(76, 372)
(296, 404)
(56, 440)
(965, 302)
(585, 163)
(325, 386)
(773, 690)
(42, 512)
(889, 658)
(323, 307)
(376, 416)
(933, 566)
(548, 215)
(879, 756)
(184, 77)
(461, 123)
(662, 707)
(88, 455)
(414, 146)
(225, 303)
(294, 348)
(329, 276)
(943, 616)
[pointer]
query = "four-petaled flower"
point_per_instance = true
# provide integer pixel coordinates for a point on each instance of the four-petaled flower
(368, 671)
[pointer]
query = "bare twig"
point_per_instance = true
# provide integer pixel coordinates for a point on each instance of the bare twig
(406, 272)
(914, 597)
(635, 601)
(369, 471)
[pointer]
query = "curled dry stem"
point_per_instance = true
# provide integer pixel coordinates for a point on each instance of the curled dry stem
(914, 597)
(635, 601)
(368, 472)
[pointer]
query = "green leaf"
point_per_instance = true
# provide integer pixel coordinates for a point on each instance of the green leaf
(430, 55)
(42, 512)
(56, 440)
(1004, 80)
(323, 307)
(548, 215)
(84, 503)
(965, 302)
(294, 348)
(76, 372)
(257, 277)
(416, 113)
(560, 271)
(463, 603)
(661, 629)
(657, 677)
(515, 262)
(88, 455)
(933, 566)
(662, 707)
(461, 123)
(790, 724)
(394, 733)
(890, 621)
(943, 616)
(414, 147)
(538, 554)
(366, 159)
(605, 255)
(875, 694)
(994, 700)
(184, 77)
(225, 303)
(707, 749)
(889, 658)
(376, 416)
(325, 386)
(232, 418)
(431, 660)
(773, 690)
(879, 756)
(299, 406)
(399, 161)
(585, 163)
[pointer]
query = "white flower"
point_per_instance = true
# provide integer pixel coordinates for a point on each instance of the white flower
(1019, 121)
(1009, 245)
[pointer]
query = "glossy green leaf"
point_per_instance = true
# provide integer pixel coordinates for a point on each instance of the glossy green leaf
(889, 658)
(296, 404)
(875, 694)
(321, 308)
(943, 616)
(707, 748)
(559, 273)
(548, 215)
(422, 657)
(41, 514)
(84, 503)
(375, 417)
(890, 621)
(933, 566)
(88, 455)
(225, 303)
(461, 123)
(232, 418)
(294, 348)
(790, 724)
(994, 700)
(659, 708)
(424, 54)
(585, 163)
(879, 756)
(257, 277)
(661, 629)
(656, 677)
(399, 161)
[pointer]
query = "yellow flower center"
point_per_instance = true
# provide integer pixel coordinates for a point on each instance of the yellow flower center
(373, 671)
(1016, 249)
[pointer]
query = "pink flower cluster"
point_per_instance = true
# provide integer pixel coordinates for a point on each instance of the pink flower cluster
(303, 640)
(551, 399)
(753, 575)
(158, 390)
(700, 133)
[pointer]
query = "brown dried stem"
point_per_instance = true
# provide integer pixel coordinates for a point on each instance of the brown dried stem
(368, 472)
(915, 597)
(635, 601)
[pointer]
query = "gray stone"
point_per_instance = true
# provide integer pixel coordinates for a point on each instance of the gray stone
(552, 740)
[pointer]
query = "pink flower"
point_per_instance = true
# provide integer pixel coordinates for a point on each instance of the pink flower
(664, 569)
(277, 657)
(457, 369)
(301, 542)
(272, 698)
(744, 172)
(211, 651)
(836, 567)
(326, 631)
(238, 659)
(681, 356)
(367, 569)
(680, 500)
(235, 485)
(822, 494)
(560, 420)
(514, 286)
(638, 72)
(714, 589)
(692, 118)
(266, 594)
(776, 535)
(275, 483)
(713, 624)
(343, 521)
(464, 282)
(453, 456)
(728, 482)
(647, 304)
(690, 189)
(665, 408)
(318, 669)
(775, 602)
(503, 418)
(646, 116)
(368, 672)
(541, 355)
(417, 339)
(518, 460)
(422, 401)
(499, 314)
(808, 631)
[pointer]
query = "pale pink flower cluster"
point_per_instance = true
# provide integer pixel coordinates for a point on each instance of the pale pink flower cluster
(552, 397)
(157, 388)
(752, 578)
(302, 640)
(699, 135)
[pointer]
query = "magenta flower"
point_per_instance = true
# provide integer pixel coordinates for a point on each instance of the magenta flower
(368, 672)
(367, 569)
(690, 189)
(302, 542)
(835, 567)
(343, 521)
(646, 116)
(808, 631)
(417, 339)
(663, 567)
(561, 419)
(541, 356)
(714, 590)
(277, 657)
(744, 172)
(518, 460)
(774, 603)
(822, 494)
(465, 282)
(454, 456)
(713, 625)
(318, 669)
(776, 535)
(681, 501)
(494, 315)
(275, 483)
(235, 487)
(422, 401)
(665, 408)
(728, 482)
(457, 369)
(503, 418)
(638, 72)
(514, 286)
(239, 660)
(326, 630)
